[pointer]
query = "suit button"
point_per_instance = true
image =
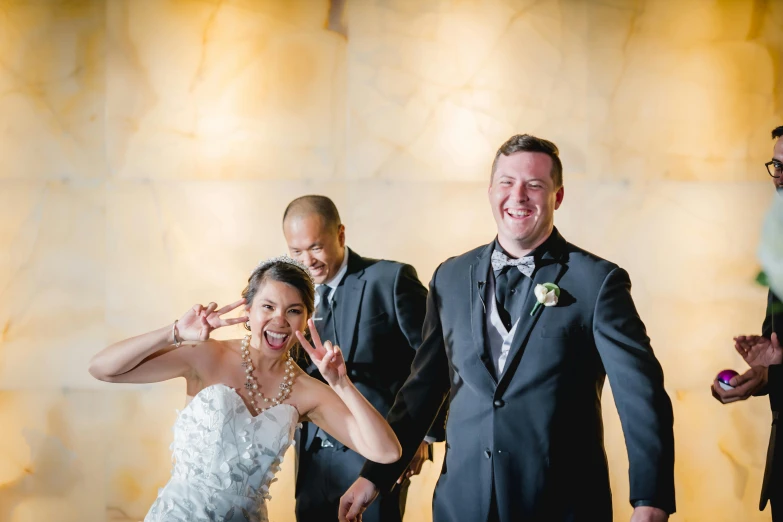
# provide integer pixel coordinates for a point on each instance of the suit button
(487, 453)
(499, 403)
(353, 373)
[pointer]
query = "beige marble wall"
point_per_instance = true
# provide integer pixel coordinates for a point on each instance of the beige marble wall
(148, 148)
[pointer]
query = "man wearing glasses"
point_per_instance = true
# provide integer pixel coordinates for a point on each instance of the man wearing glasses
(775, 166)
(763, 355)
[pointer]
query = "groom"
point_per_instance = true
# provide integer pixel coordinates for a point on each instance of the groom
(524, 436)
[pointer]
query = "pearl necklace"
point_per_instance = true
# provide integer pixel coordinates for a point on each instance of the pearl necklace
(254, 390)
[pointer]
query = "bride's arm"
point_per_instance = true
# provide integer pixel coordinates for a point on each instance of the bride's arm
(342, 411)
(154, 357)
(149, 357)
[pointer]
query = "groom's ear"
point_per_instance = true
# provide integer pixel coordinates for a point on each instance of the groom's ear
(559, 197)
(341, 235)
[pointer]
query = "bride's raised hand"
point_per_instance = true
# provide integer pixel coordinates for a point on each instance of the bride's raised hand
(199, 322)
(328, 358)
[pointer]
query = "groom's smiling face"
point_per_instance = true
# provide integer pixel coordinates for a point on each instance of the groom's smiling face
(524, 198)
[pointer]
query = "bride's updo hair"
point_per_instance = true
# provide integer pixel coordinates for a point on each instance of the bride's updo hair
(284, 270)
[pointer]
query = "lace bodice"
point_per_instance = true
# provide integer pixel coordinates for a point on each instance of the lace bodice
(224, 459)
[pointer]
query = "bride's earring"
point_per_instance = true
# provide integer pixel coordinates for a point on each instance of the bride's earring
(246, 324)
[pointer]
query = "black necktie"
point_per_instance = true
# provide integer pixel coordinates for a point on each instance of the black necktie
(510, 290)
(323, 301)
(323, 315)
(324, 324)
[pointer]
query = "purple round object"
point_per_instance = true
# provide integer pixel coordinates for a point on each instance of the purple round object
(726, 375)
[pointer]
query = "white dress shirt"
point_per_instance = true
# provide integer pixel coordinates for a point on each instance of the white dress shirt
(334, 281)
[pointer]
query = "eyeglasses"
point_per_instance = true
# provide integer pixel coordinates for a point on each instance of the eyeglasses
(776, 169)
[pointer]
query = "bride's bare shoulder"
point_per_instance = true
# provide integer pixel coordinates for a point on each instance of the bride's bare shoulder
(306, 392)
(213, 352)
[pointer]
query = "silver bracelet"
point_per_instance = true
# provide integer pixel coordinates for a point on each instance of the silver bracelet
(177, 342)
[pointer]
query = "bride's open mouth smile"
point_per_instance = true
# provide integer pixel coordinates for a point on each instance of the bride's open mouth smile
(276, 340)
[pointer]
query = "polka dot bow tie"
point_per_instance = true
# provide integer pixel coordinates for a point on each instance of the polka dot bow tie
(526, 264)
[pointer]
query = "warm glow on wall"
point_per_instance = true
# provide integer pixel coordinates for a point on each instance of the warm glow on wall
(149, 147)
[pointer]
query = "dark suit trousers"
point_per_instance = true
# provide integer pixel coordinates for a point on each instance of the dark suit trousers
(324, 476)
(776, 494)
(493, 508)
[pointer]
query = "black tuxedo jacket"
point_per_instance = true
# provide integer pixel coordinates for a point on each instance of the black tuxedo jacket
(378, 311)
(535, 432)
(772, 486)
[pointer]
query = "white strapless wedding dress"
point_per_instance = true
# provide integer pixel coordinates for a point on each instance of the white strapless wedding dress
(224, 459)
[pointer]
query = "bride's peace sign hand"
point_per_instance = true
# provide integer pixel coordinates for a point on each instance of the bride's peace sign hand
(199, 322)
(328, 358)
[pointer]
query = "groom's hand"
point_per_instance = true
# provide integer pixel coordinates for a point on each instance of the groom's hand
(353, 503)
(649, 514)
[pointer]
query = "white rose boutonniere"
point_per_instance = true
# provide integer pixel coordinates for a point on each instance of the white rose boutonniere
(546, 294)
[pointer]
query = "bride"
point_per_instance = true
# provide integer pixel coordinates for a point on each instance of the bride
(246, 396)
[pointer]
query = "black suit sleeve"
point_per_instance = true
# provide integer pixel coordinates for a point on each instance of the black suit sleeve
(418, 401)
(637, 384)
(774, 306)
(773, 322)
(410, 302)
(775, 386)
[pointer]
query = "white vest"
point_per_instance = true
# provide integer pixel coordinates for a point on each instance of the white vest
(499, 338)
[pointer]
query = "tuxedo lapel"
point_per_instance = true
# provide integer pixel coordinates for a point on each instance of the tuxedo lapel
(479, 271)
(350, 300)
(551, 269)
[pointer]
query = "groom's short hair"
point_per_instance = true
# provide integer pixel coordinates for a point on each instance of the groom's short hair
(777, 132)
(529, 143)
(314, 204)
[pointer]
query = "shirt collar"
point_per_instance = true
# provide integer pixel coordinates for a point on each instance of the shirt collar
(537, 252)
(338, 277)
